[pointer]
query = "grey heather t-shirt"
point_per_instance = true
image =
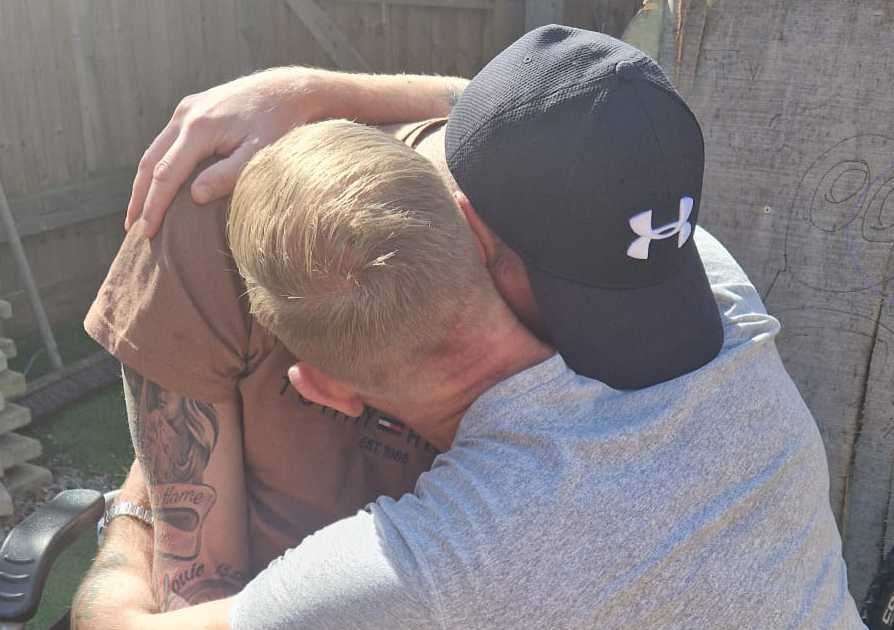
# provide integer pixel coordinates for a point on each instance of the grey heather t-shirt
(698, 503)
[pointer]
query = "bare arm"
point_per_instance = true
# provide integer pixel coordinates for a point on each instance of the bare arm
(209, 616)
(191, 455)
(120, 577)
(138, 570)
(236, 119)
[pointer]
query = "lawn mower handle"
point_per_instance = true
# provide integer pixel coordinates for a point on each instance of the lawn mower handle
(31, 548)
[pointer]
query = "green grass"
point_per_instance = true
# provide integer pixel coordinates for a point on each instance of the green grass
(91, 437)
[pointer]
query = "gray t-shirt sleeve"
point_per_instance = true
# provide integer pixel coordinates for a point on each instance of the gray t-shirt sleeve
(356, 573)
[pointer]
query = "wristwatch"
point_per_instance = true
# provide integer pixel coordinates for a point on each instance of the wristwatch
(124, 508)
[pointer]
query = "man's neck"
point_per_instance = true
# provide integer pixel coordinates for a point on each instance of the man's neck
(499, 352)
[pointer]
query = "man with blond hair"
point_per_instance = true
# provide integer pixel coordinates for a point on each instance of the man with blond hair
(360, 262)
(367, 230)
(541, 511)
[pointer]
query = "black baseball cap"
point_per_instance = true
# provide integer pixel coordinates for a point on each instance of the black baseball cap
(580, 155)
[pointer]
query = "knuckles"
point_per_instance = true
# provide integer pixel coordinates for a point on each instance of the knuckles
(197, 124)
(161, 172)
(185, 105)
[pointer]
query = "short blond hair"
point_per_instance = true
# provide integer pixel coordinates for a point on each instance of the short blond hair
(354, 253)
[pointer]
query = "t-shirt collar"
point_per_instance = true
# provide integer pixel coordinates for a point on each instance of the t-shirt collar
(493, 402)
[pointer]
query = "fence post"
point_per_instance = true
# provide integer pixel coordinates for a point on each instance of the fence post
(18, 252)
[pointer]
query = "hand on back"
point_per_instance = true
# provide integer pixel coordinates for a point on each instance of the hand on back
(233, 121)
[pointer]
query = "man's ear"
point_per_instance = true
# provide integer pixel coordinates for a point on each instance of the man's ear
(317, 386)
(487, 242)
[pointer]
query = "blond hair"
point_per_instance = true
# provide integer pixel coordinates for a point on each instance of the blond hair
(353, 251)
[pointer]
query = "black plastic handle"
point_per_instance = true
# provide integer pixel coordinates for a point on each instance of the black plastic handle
(33, 545)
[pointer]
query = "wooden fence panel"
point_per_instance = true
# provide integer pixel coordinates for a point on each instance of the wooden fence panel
(87, 84)
(795, 101)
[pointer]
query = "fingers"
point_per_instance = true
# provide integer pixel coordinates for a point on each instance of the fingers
(219, 179)
(143, 178)
(169, 174)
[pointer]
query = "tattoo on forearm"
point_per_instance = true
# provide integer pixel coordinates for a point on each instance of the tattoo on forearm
(195, 585)
(175, 437)
(175, 434)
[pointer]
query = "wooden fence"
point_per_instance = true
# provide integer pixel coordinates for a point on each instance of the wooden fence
(796, 99)
(86, 84)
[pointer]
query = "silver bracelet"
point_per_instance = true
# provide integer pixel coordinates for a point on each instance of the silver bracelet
(126, 508)
(123, 508)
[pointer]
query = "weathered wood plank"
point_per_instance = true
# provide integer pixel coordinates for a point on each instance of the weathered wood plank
(329, 36)
(444, 34)
(420, 26)
(32, 152)
(83, 47)
(11, 163)
(507, 23)
(91, 199)
(398, 49)
(798, 185)
(217, 17)
(47, 101)
(470, 42)
(484, 5)
(139, 61)
(69, 264)
(64, 80)
(364, 27)
(541, 12)
(196, 77)
(605, 16)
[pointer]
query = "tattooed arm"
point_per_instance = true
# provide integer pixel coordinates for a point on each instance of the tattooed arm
(191, 455)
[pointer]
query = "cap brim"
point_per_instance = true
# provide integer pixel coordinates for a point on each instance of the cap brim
(633, 338)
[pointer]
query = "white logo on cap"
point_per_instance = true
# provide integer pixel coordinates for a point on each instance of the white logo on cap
(641, 225)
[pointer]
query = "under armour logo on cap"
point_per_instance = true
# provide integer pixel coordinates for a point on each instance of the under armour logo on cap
(641, 225)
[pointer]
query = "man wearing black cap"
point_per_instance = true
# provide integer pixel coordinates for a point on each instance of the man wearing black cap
(604, 152)
(687, 488)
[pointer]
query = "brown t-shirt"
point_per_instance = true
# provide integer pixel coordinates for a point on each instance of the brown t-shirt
(174, 310)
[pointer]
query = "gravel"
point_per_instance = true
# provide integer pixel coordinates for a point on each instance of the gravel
(65, 477)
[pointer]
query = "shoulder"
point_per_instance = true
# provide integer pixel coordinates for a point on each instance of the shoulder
(742, 310)
(172, 308)
(719, 263)
(192, 231)
(414, 132)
